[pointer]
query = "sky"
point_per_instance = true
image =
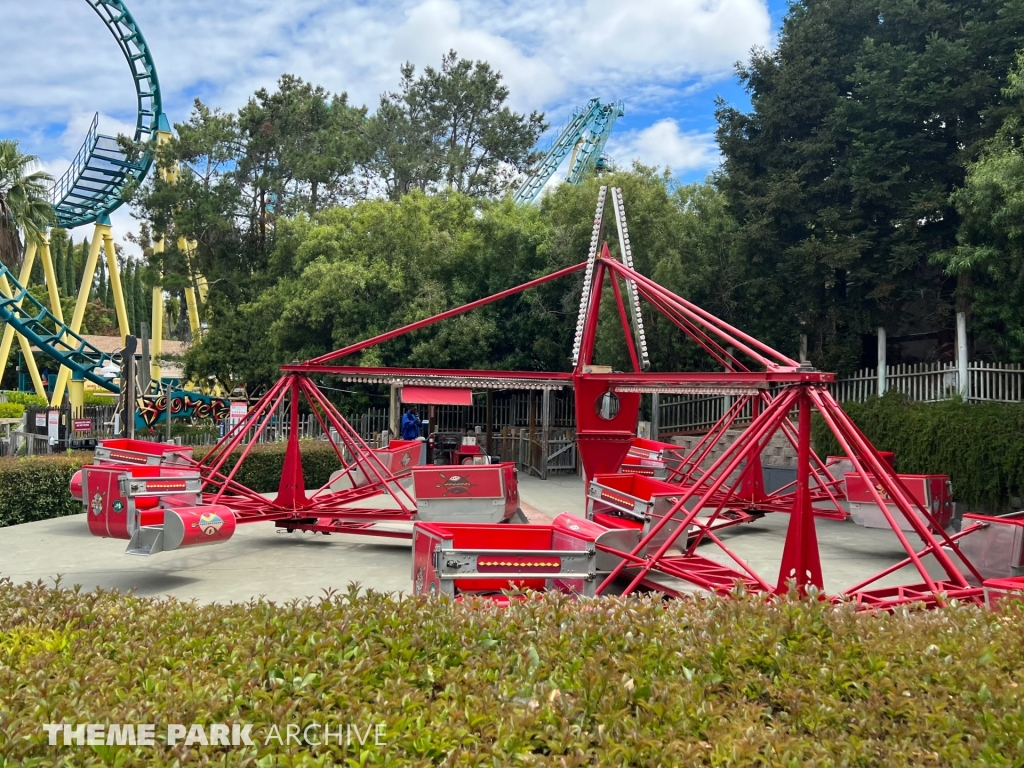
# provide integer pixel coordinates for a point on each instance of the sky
(667, 60)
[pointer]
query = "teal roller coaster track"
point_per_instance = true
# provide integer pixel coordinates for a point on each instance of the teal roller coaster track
(585, 136)
(91, 189)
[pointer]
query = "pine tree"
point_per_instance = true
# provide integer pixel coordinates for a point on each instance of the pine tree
(58, 252)
(128, 286)
(101, 281)
(142, 305)
(67, 276)
(108, 296)
(37, 277)
(841, 174)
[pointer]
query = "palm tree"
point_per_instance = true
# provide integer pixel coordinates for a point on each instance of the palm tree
(23, 202)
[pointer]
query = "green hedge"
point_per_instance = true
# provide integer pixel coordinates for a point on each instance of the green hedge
(979, 445)
(25, 398)
(262, 469)
(544, 682)
(36, 488)
(11, 410)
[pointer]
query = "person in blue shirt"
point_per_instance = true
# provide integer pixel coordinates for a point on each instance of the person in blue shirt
(411, 425)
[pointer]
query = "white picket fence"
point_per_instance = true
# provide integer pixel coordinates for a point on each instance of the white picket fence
(931, 382)
(924, 382)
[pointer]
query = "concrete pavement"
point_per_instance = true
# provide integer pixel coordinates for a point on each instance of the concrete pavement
(260, 562)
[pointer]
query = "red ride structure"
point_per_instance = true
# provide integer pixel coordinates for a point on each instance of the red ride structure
(670, 551)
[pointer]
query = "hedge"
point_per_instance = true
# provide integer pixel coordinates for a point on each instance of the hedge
(11, 410)
(545, 682)
(979, 445)
(24, 398)
(36, 488)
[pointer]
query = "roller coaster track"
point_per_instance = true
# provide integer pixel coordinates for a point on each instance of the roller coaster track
(34, 321)
(584, 135)
(92, 188)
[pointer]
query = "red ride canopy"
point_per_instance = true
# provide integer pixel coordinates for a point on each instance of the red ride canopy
(437, 395)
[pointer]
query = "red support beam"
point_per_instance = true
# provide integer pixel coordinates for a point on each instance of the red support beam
(353, 348)
(801, 563)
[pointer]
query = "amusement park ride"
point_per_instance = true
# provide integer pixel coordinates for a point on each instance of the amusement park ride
(655, 512)
(92, 189)
(585, 136)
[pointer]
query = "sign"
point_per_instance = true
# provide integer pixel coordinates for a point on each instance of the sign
(239, 409)
(40, 419)
(53, 426)
(83, 425)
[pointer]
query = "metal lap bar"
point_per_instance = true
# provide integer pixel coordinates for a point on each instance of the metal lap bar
(514, 564)
(630, 505)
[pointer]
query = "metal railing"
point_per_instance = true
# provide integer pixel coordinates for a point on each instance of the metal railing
(922, 382)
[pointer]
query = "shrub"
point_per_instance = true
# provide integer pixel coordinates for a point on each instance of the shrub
(11, 410)
(979, 445)
(262, 468)
(25, 398)
(36, 488)
(543, 682)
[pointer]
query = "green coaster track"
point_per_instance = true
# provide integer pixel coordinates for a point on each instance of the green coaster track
(91, 189)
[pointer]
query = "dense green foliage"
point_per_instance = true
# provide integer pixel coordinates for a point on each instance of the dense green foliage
(349, 273)
(545, 682)
(865, 118)
(24, 211)
(261, 470)
(872, 183)
(449, 129)
(300, 149)
(36, 488)
(25, 398)
(11, 410)
(979, 445)
(989, 257)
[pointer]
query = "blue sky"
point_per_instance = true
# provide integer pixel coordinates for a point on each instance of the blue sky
(666, 59)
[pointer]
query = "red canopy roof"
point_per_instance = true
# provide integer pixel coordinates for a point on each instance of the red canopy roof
(437, 395)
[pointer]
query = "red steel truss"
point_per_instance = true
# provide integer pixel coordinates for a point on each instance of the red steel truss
(607, 406)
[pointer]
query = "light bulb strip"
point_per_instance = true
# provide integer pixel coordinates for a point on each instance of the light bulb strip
(626, 252)
(588, 276)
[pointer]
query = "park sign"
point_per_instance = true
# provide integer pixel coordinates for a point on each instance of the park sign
(82, 425)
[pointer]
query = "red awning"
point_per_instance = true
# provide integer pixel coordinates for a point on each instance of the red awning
(437, 395)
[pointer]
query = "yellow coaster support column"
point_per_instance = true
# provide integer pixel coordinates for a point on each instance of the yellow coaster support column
(190, 293)
(101, 231)
(26, 271)
(115, 284)
(51, 281)
(8, 339)
(76, 394)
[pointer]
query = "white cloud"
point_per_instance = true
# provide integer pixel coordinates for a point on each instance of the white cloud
(551, 52)
(665, 145)
(554, 54)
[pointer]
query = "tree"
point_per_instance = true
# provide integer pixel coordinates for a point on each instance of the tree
(450, 129)
(988, 259)
(24, 207)
(284, 152)
(70, 285)
(128, 286)
(840, 176)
